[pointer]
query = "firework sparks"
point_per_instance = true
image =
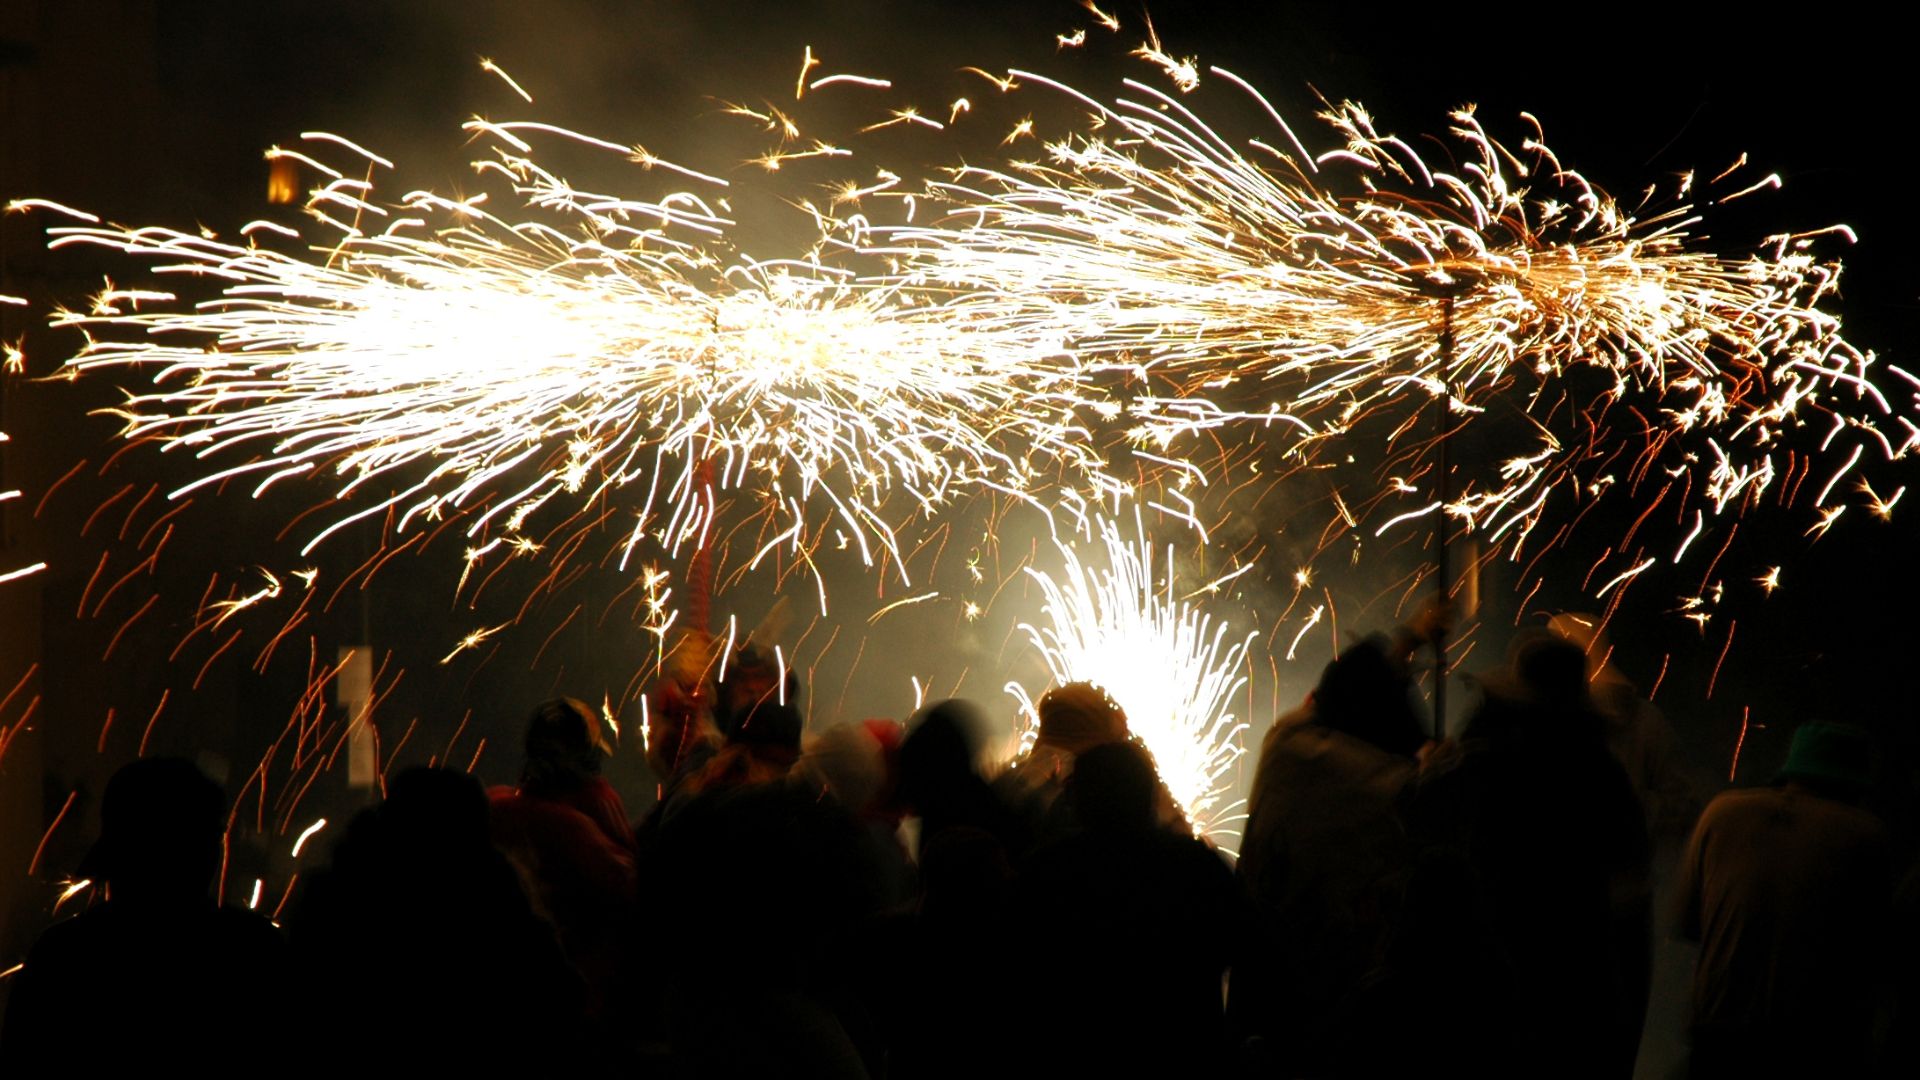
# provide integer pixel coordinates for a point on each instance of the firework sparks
(1170, 666)
(306, 835)
(1300, 291)
(601, 343)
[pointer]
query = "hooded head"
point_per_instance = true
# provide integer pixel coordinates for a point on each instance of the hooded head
(565, 745)
(160, 826)
(1078, 716)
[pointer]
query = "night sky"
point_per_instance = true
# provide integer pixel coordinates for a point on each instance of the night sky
(159, 113)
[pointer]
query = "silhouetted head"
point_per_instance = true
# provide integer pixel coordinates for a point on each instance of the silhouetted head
(1113, 788)
(1542, 695)
(1835, 760)
(1363, 693)
(1588, 633)
(939, 752)
(564, 746)
(1078, 716)
(160, 826)
(1551, 670)
(770, 727)
(848, 762)
(435, 810)
(753, 679)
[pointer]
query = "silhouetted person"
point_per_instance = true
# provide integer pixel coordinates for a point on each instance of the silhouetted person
(420, 949)
(945, 983)
(1443, 999)
(1073, 718)
(680, 736)
(1787, 889)
(1130, 924)
(855, 767)
(155, 978)
(566, 829)
(940, 781)
(1324, 856)
(1638, 736)
(753, 680)
(753, 892)
(1547, 819)
(761, 747)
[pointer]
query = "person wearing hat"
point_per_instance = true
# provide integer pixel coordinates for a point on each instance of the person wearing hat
(155, 974)
(1787, 888)
(566, 830)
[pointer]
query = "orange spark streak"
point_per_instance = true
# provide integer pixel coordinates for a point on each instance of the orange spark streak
(34, 866)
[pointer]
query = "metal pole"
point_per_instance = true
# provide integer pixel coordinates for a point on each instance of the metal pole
(700, 566)
(1442, 572)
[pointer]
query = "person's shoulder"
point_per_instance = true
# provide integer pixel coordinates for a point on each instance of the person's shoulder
(72, 934)
(1190, 853)
(1736, 804)
(1745, 804)
(1856, 822)
(1742, 800)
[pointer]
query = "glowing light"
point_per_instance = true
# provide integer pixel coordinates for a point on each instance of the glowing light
(1158, 248)
(1171, 667)
(72, 889)
(20, 572)
(602, 343)
(307, 834)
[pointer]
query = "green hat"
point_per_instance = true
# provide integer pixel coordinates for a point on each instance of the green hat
(1838, 756)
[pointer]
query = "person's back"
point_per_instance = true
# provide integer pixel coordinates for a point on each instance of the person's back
(1322, 858)
(1787, 891)
(148, 979)
(753, 892)
(1550, 825)
(1135, 922)
(566, 830)
(419, 948)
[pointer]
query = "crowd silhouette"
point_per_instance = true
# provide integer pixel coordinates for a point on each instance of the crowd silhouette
(871, 901)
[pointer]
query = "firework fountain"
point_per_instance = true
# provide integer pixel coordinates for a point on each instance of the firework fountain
(1173, 668)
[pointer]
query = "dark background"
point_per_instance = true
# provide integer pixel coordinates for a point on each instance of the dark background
(158, 112)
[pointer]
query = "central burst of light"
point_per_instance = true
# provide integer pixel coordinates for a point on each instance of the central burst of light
(600, 343)
(1169, 665)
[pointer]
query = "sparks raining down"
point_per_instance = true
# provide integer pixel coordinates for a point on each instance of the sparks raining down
(1151, 278)
(11, 362)
(1170, 666)
(1302, 291)
(465, 359)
